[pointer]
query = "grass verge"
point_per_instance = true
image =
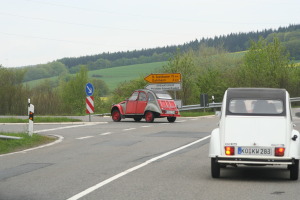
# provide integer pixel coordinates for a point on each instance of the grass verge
(195, 113)
(12, 145)
(39, 120)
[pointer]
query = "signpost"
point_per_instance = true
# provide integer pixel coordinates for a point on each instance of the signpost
(169, 82)
(163, 78)
(165, 86)
(89, 105)
(89, 90)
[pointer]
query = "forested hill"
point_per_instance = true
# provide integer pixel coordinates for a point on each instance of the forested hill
(232, 42)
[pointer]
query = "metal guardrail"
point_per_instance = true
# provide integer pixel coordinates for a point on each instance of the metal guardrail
(197, 106)
(295, 99)
(218, 105)
(9, 137)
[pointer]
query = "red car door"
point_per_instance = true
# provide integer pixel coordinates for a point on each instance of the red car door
(141, 103)
(132, 103)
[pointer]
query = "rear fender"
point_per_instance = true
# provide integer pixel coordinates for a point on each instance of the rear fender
(214, 145)
(152, 107)
(295, 146)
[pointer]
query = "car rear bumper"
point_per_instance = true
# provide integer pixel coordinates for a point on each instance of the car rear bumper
(258, 161)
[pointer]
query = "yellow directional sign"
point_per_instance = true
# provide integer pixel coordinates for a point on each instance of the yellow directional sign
(163, 78)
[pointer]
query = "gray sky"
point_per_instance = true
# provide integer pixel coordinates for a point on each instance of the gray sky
(40, 31)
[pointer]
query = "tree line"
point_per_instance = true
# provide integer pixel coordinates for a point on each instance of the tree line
(67, 98)
(57, 68)
(234, 42)
(209, 70)
(231, 42)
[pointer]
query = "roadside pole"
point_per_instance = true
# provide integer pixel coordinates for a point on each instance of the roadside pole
(30, 118)
(89, 90)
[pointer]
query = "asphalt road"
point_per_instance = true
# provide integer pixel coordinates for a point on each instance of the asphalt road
(133, 160)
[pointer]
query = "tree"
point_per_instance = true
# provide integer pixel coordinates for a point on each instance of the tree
(12, 94)
(184, 64)
(216, 70)
(46, 99)
(101, 89)
(265, 65)
(72, 93)
(125, 89)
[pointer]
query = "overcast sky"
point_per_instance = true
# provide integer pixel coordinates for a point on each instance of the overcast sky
(40, 31)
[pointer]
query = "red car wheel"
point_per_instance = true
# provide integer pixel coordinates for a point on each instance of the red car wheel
(116, 116)
(149, 116)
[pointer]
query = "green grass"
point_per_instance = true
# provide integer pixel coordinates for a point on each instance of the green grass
(115, 75)
(12, 145)
(195, 113)
(39, 120)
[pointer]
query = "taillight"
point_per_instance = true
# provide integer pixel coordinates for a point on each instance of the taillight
(164, 111)
(229, 151)
(279, 151)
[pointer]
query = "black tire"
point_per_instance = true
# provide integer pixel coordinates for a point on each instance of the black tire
(215, 168)
(137, 119)
(116, 115)
(149, 116)
(171, 119)
(294, 170)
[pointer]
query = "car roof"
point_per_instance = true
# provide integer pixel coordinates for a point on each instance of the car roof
(260, 93)
(256, 93)
(154, 91)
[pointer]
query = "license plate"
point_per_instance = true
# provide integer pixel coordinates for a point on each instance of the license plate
(170, 112)
(263, 151)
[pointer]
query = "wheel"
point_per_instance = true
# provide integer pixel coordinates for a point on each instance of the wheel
(116, 115)
(137, 119)
(149, 116)
(294, 170)
(171, 119)
(215, 168)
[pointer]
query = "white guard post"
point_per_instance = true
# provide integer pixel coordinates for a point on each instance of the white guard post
(30, 116)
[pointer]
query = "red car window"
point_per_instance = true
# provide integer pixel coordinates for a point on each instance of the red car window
(134, 96)
(142, 96)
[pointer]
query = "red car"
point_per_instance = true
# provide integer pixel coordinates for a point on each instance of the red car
(146, 104)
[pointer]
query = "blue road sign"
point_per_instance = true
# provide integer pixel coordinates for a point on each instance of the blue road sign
(89, 89)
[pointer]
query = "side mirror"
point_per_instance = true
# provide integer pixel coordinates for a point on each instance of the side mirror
(294, 138)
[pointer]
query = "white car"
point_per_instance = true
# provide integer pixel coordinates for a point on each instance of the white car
(255, 128)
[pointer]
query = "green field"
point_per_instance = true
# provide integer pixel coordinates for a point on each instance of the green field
(115, 75)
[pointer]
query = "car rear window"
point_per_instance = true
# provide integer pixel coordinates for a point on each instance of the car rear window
(256, 106)
(162, 95)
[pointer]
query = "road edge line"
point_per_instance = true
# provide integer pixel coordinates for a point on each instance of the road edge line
(117, 176)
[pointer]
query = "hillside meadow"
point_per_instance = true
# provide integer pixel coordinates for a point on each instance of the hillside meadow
(116, 75)
(113, 76)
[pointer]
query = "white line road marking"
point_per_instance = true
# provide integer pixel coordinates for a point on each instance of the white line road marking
(86, 137)
(129, 129)
(65, 127)
(145, 126)
(60, 138)
(111, 179)
(181, 121)
(107, 133)
(165, 123)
